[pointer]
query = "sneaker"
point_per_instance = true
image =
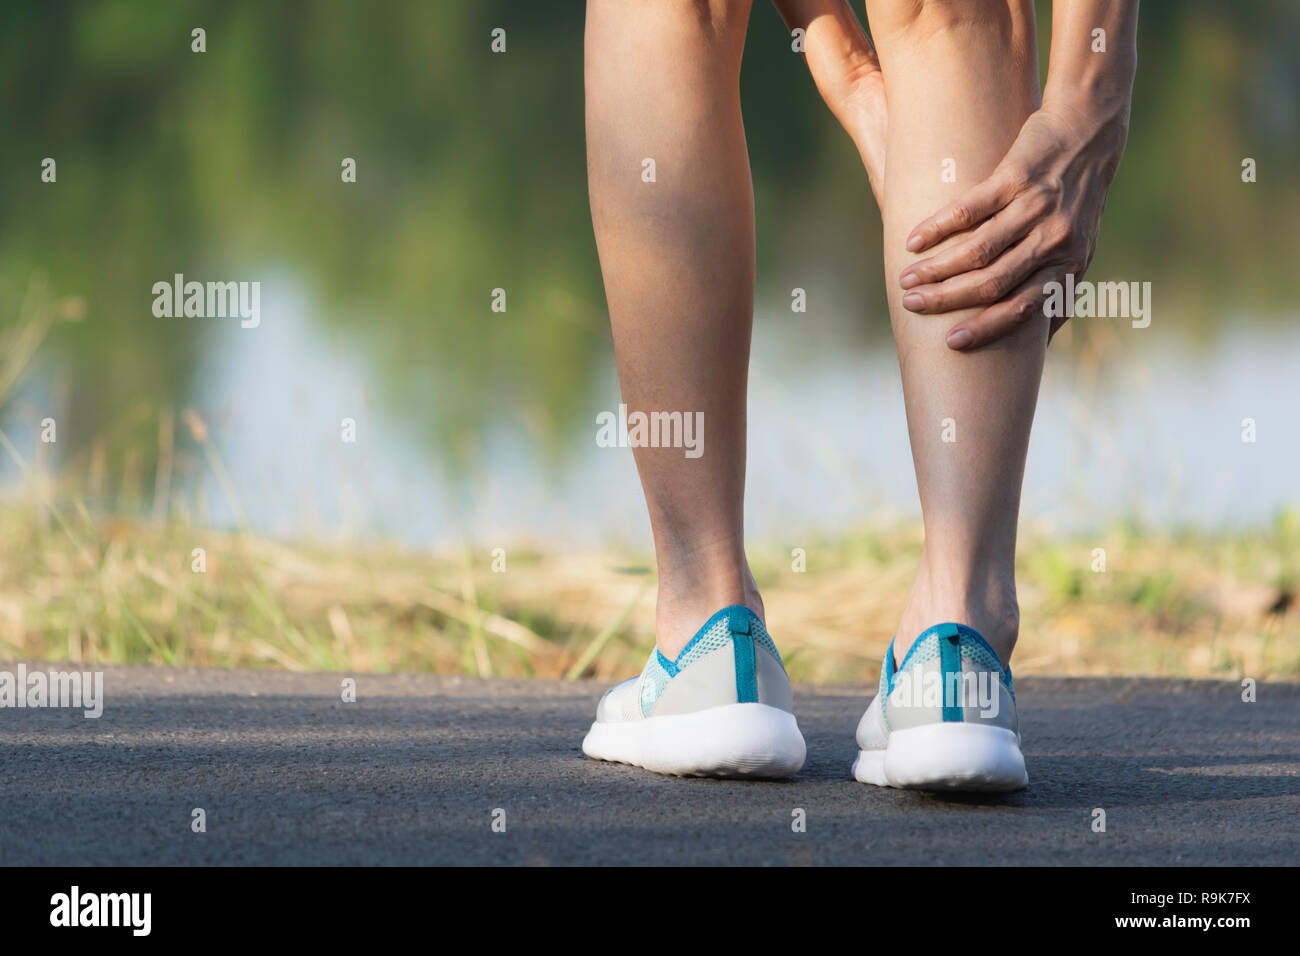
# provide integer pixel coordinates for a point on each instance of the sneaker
(945, 719)
(722, 708)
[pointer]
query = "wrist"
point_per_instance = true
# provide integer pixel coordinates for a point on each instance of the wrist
(1101, 91)
(1091, 108)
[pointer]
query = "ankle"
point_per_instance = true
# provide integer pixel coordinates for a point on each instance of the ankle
(684, 605)
(985, 601)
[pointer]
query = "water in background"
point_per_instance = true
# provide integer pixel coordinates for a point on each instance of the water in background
(225, 166)
(1158, 437)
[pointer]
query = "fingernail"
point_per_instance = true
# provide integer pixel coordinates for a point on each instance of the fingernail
(914, 243)
(909, 279)
(913, 302)
(960, 339)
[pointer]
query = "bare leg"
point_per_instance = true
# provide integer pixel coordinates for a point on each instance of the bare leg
(677, 254)
(960, 79)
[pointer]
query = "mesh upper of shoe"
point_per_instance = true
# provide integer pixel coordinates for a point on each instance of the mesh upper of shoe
(653, 681)
(719, 635)
(972, 650)
(637, 697)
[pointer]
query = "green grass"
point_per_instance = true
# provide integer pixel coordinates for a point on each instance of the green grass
(120, 584)
(74, 586)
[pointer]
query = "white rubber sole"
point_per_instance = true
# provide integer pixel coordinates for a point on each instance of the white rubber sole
(734, 740)
(946, 756)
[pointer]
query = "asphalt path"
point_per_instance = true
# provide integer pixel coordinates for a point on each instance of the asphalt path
(424, 769)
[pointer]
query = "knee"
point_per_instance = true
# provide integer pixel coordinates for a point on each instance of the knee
(718, 16)
(921, 19)
(710, 17)
(692, 32)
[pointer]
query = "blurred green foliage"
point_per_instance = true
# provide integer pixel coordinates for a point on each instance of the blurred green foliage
(472, 176)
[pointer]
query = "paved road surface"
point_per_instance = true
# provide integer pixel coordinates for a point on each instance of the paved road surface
(411, 773)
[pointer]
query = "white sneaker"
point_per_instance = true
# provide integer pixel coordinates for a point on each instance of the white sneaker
(945, 719)
(722, 708)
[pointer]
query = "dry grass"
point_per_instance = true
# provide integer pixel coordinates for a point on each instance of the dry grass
(112, 590)
(94, 588)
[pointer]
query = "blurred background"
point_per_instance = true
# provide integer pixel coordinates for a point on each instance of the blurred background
(475, 429)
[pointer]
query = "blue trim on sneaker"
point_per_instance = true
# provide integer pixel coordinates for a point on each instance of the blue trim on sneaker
(699, 635)
(740, 620)
(742, 645)
(949, 636)
(970, 634)
(666, 664)
(912, 650)
(966, 634)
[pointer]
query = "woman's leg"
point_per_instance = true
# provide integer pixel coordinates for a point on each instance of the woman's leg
(960, 79)
(677, 255)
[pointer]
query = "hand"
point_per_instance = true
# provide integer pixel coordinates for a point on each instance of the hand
(845, 68)
(1032, 221)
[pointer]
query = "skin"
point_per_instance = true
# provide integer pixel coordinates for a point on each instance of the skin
(945, 81)
(960, 81)
(677, 256)
(844, 66)
(1037, 215)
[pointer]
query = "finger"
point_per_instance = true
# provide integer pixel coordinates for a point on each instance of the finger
(982, 287)
(976, 205)
(980, 249)
(1025, 304)
(835, 25)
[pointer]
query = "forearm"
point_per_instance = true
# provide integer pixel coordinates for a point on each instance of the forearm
(835, 44)
(802, 13)
(1036, 217)
(845, 69)
(1080, 75)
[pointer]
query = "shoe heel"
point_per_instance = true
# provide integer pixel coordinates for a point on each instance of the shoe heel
(955, 756)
